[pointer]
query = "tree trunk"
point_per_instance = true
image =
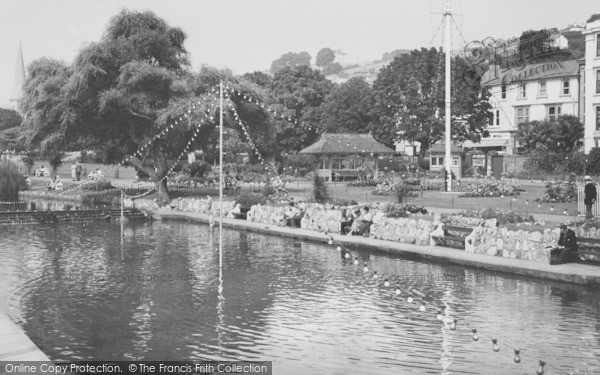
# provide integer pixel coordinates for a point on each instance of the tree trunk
(162, 168)
(162, 198)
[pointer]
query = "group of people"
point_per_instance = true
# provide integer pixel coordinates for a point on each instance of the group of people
(55, 183)
(358, 222)
(76, 170)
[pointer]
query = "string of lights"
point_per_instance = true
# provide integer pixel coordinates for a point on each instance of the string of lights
(419, 298)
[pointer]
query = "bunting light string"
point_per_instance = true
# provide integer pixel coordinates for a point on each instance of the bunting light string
(252, 144)
(419, 297)
(273, 112)
(179, 119)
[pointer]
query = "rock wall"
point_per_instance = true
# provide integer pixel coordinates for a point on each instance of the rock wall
(201, 205)
(267, 215)
(319, 218)
(404, 230)
(512, 244)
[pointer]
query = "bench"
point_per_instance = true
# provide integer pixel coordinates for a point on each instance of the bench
(589, 250)
(453, 237)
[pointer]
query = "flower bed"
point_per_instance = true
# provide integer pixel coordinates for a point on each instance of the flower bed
(560, 191)
(492, 188)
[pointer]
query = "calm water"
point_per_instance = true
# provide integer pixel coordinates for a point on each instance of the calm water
(42, 205)
(151, 291)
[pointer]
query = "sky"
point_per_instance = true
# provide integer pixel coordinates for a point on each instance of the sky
(247, 35)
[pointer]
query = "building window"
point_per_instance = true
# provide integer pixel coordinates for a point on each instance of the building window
(566, 88)
(522, 115)
(597, 81)
(542, 93)
(437, 160)
(522, 91)
(497, 117)
(552, 112)
(503, 92)
(598, 45)
(455, 161)
(598, 117)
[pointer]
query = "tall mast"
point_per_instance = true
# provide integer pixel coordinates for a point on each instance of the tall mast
(220, 176)
(448, 100)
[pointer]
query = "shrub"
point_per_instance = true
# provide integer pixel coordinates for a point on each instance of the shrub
(560, 191)
(11, 181)
(101, 185)
(398, 210)
(393, 185)
(196, 169)
(320, 191)
(337, 201)
(299, 165)
(246, 201)
(506, 217)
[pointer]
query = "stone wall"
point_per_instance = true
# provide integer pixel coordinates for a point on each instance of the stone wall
(319, 218)
(404, 230)
(201, 205)
(267, 215)
(514, 164)
(512, 244)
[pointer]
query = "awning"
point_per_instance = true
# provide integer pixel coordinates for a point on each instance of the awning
(487, 143)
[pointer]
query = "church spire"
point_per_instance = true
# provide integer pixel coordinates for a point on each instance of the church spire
(19, 80)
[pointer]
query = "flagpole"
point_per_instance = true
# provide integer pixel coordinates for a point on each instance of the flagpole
(220, 176)
(447, 101)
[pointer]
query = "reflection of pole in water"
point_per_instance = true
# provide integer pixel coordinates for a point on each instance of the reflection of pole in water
(446, 357)
(122, 229)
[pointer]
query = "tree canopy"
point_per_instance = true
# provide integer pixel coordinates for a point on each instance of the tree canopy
(561, 136)
(347, 108)
(125, 89)
(408, 101)
(324, 57)
(290, 60)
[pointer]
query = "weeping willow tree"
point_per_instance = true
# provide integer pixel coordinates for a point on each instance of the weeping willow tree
(11, 181)
(124, 90)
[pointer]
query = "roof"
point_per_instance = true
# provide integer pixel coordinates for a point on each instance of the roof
(346, 143)
(487, 142)
(544, 70)
(440, 148)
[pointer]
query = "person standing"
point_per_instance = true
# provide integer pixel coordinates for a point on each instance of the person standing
(590, 196)
(78, 169)
(73, 171)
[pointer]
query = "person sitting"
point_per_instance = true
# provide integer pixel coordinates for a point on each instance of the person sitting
(349, 219)
(292, 215)
(362, 225)
(567, 249)
(58, 185)
(235, 212)
(52, 184)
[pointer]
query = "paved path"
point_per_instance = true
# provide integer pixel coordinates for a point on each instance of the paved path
(574, 273)
(15, 345)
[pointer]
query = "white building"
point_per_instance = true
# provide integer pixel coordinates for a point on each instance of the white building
(592, 85)
(537, 91)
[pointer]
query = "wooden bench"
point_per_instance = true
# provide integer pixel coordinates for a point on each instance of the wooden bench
(589, 250)
(453, 237)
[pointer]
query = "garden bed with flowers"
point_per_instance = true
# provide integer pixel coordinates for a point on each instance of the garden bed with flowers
(492, 188)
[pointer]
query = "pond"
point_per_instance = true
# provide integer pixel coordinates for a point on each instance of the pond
(151, 291)
(49, 205)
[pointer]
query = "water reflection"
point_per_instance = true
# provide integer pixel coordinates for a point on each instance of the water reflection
(151, 291)
(48, 205)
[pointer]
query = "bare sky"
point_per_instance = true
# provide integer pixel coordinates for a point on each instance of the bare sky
(247, 35)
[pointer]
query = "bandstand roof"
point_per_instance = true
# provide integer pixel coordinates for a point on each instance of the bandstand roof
(348, 144)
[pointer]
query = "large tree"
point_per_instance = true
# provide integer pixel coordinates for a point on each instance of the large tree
(124, 90)
(290, 60)
(324, 57)
(408, 101)
(347, 108)
(561, 136)
(300, 92)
